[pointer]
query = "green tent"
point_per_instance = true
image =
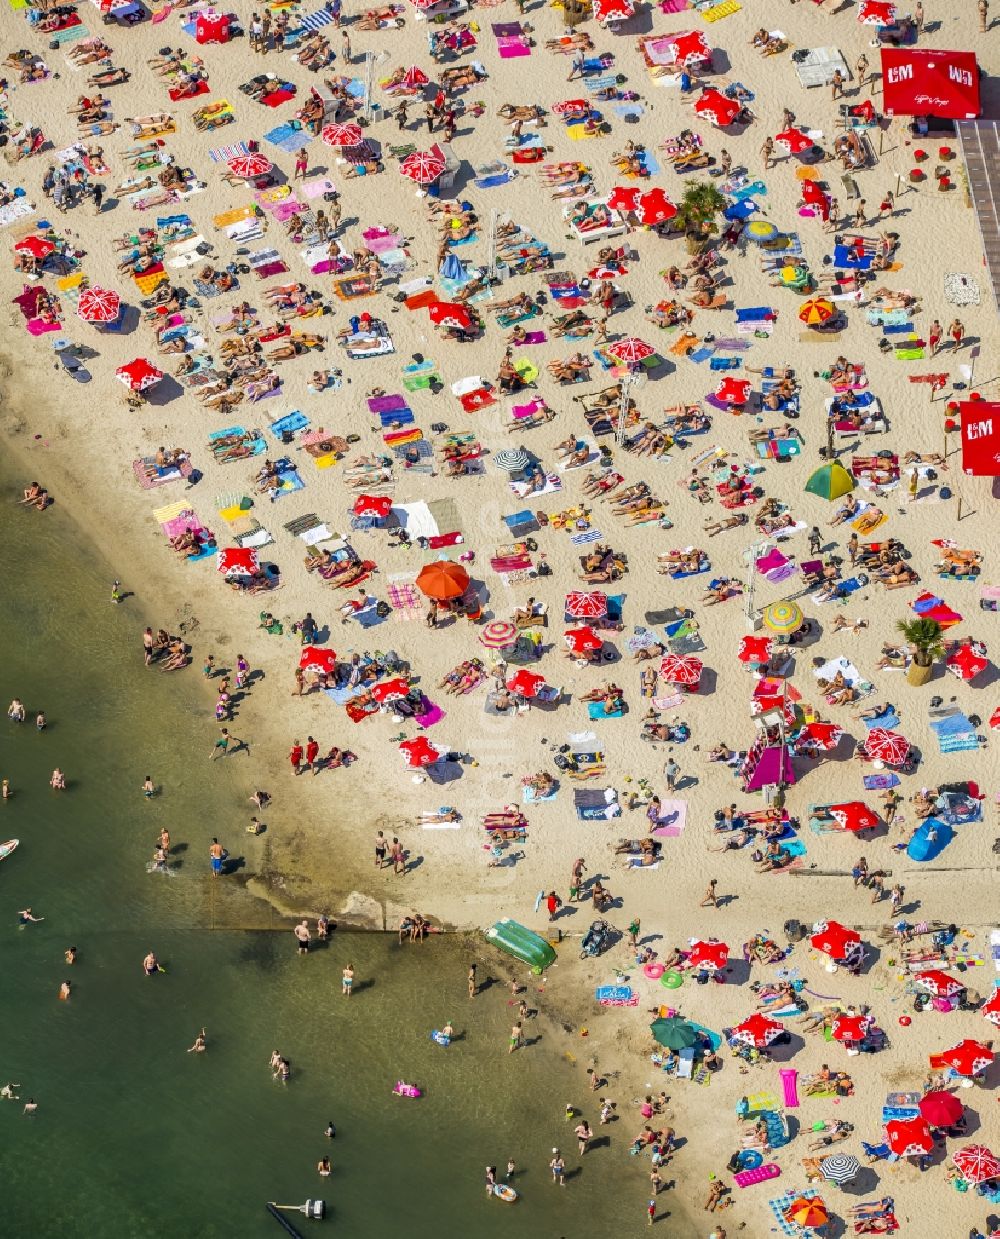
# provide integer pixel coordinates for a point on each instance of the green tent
(673, 1033)
(830, 481)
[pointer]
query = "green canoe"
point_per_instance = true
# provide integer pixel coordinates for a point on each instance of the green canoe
(524, 944)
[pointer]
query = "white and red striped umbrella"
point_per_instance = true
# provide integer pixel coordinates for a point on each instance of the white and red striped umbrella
(681, 669)
(886, 746)
(586, 605)
(341, 135)
(498, 634)
(934, 981)
(318, 658)
(909, 1137)
(241, 560)
(139, 375)
(708, 956)
(422, 167)
(714, 106)
(250, 165)
(876, 13)
(758, 1030)
(631, 349)
(99, 305)
(976, 1163)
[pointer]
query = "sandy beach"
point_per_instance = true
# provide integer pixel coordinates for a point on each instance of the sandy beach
(80, 442)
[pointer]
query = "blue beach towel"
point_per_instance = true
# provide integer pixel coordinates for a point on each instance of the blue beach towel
(289, 423)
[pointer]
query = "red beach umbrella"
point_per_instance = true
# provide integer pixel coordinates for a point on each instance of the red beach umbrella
(991, 1008)
(826, 735)
(238, 559)
(565, 106)
(966, 663)
(758, 1030)
(415, 76)
(834, 939)
(526, 683)
(976, 1163)
(443, 580)
(419, 752)
(886, 746)
(812, 192)
(139, 375)
(583, 640)
(622, 198)
(854, 816)
(449, 314)
(754, 649)
(681, 669)
(968, 1057)
(655, 207)
(876, 13)
(373, 505)
(709, 956)
(347, 134)
(909, 1137)
(794, 140)
(612, 10)
(422, 167)
(318, 658)
(397, 687)
(249, 166)
(423, 4)
(714, 106)
(938, 983)
(586, 605)
(734, 391)
(690, 47)
(849, 1028)
(631, 349)
(99, 305)
(37, 247)
(940, 1109)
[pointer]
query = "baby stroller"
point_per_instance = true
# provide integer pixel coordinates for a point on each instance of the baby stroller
(595, 939)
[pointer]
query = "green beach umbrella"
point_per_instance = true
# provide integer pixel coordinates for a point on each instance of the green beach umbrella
(830, 481)
(672, 1033)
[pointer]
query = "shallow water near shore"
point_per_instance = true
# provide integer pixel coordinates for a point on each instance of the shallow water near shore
(134, 1136)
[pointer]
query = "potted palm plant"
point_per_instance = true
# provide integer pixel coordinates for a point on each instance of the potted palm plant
(696, 213)
(924, 639)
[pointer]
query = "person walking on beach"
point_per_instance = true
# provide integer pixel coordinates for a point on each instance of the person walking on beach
(836, 84)
(397, 856)
(670, 772)
(302, 937)
(472, 980)
(583, 1135)
(147, 646)
(221, 746)
(711, 899)
(312, 752)
(935, 333)
(558, 1167)
(216, 855)
(380, 849)
(957, 332)
(516, 1040)
(576, 878)
(766, 151)
(347, 980)
(633, 932)
(553, 903)
(301, 165)
(984, 16)
(295, 756)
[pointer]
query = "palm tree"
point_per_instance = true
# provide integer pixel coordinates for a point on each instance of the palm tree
(698, 208)
(924, 639)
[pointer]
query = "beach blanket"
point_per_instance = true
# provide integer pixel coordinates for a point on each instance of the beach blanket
(672, 819)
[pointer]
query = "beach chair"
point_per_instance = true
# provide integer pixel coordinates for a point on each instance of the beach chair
(685, 1063)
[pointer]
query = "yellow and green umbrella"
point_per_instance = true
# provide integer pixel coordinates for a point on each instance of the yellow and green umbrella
(782, 617)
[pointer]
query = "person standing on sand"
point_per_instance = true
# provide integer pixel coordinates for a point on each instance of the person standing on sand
(558, 1167)
(935, 333)
(397, 856)
(472, 980)
(312, 752)
(711, 899)
(216, 855)
(302, 937)
(295, 756)
(516, 1040)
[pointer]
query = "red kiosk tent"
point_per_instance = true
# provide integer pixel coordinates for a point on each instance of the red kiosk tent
(981, 437)
(922, 82)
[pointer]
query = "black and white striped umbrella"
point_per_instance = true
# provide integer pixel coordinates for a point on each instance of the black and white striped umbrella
(512, 459)
(839, 1167)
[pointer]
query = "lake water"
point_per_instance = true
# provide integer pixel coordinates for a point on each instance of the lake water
(134, 1136)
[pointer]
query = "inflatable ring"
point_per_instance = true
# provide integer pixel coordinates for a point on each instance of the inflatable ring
(653, 971)
(671, 980)
(750, 1159)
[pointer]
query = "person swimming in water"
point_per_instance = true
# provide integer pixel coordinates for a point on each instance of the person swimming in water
(40, 721)
(199, 1046)
(70, 955)
(148, 790)
(26, 918)
(15, 711)
(150, 965)
(7, 1092)
(65, 990)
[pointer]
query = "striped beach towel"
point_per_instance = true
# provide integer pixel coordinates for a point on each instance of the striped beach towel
(404, 599)
(223, 154)
(315, 21)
